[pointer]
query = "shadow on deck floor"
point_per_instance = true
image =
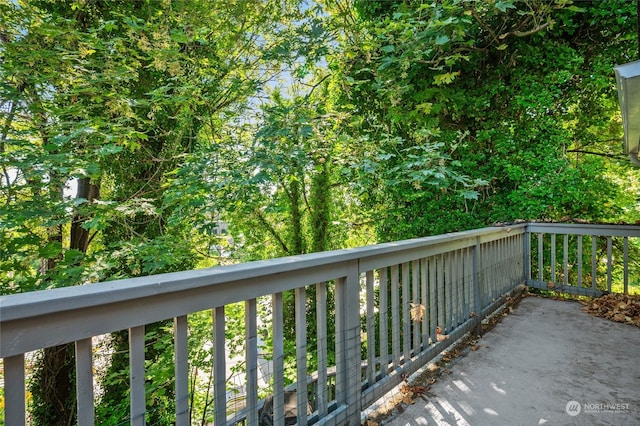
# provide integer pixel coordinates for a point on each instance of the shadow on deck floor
(546, 363)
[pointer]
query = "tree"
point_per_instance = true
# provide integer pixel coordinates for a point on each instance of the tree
(477, 106)
(112, 96)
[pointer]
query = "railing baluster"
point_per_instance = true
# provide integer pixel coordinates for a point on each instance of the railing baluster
(625, 257)
(321, 314)
(219, 367)
(472, 280)
(433, 302)
(477, 267)
(527, 254)
(454, 288)
(609, 263)
(301, 353)
(503, 265)
(466, 272)
(497, 271)
(579, 261)
(540, 257)
(565, 250)
(371, 332)
(395, 317)
(594, 261)
(14, 390)
(448, 287)
(84, 381)
(486, 289)
(440, 281)
(415, 291)
(136, 366)
(406, 320)
(425, 302)
(459, 275)
(251, 357)
(278, 359)
(181, 333)
(383, 275)
(553, 258)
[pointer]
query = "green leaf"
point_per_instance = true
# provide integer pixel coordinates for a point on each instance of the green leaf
(445, 78)
(50, 251)
(504, 5)
(109, 149)
(442, 39)
(469, 194)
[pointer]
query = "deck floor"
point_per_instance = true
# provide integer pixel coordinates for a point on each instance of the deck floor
(545, 363)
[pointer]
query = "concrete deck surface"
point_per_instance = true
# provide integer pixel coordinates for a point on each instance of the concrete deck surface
(546, 363)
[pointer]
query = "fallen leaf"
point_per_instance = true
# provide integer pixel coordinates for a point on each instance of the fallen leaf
(418, 312)
(474, 348)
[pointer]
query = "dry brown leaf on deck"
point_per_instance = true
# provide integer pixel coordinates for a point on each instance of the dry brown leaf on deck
(439, 336)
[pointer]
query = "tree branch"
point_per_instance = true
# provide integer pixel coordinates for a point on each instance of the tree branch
(271, 230)
(600, 154)
(532, 31)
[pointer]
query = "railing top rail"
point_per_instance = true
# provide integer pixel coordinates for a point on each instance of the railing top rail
(23, 305)
(585, 229)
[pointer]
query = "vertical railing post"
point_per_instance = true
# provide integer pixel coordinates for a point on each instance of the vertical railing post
(477, 303)
(526, 261)
(251, 359)
(383, 275)
(553, 259)
(137, 376)
(181, 343)
(406, 318)
(348, 382)
(625, 265)
(371, 330)
(219, 367)
(84, 382)
(322, 396)
(301, 354)
(278, 359)
(14, 404)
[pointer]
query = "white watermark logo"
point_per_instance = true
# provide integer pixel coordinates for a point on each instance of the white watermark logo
(573, 408)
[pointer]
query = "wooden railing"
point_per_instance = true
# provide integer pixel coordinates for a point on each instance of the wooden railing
(389, 299)
(582, 259)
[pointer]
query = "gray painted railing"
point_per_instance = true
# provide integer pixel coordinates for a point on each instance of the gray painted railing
(400, 291)
(581, 259)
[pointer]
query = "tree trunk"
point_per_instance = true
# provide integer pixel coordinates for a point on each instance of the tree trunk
(80, 236)
(53, 385)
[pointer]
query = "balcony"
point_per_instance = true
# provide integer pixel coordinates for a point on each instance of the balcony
(390, 300)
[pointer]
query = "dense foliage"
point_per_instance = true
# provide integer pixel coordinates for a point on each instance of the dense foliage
(132, 133)
(514, 97)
